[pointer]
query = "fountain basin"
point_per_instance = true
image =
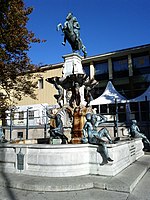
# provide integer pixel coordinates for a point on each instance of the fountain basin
(68, 159)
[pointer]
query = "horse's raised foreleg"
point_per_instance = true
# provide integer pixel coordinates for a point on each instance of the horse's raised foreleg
(59, 26)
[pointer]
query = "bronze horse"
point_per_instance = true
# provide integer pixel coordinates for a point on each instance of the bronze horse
(70, 35)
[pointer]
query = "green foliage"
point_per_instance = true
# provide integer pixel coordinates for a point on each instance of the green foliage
(16, 79)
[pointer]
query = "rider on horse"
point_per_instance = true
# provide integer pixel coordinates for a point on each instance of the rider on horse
(71, 33)
(68, 25)
(76, 28)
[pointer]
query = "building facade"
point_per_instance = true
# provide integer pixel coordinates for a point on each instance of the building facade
(127, 69)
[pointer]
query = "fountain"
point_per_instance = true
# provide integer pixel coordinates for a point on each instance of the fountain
(72, 84)
(70, 89)
(71, 122)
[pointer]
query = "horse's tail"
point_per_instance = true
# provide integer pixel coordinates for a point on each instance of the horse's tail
(84, 50)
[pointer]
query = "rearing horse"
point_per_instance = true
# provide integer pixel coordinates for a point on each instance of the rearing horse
(70, 36)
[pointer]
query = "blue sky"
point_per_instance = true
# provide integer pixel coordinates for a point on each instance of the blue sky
(106, 25)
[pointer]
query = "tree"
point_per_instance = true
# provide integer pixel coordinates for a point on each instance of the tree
(16, 79)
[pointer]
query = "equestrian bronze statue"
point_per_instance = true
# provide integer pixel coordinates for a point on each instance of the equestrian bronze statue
(71, 34)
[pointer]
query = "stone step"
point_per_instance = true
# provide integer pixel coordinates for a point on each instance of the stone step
(125, 181)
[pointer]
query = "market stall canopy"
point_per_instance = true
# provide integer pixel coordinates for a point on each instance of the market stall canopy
(142, 97)
(109, 96)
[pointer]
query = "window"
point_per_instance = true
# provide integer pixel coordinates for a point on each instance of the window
(20, 134)
(120, 67)
(141, 61)
(103, 109)
(144, 107)
(101, 70)
(31, 114)
(122, 112)
(21, 115)
(112, 109)
(40, 83)
(134, 110)
(141, 64)
(87, 69)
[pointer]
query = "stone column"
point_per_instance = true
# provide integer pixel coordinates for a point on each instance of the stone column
(130, 65)
(131, 82)
(92, 70)
(110, 69)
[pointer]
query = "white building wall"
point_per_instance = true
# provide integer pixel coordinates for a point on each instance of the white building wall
(39, 117)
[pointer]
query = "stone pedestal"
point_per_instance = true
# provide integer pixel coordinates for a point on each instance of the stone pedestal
(72, 64)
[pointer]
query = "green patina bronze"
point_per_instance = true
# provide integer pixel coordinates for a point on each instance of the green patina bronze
(71, 34)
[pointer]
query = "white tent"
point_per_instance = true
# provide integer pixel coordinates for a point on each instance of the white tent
(145, 96)
(109, 96)
(142, 97)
